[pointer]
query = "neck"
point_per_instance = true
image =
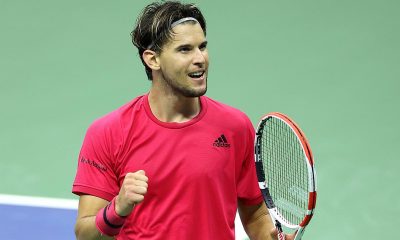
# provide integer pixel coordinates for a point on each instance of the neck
(172, 107)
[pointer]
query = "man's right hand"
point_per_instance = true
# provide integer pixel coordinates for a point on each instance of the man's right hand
(274, 235)
(132, 192)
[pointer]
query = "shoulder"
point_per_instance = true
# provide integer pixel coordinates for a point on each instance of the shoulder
(226, 112)
(112, 121)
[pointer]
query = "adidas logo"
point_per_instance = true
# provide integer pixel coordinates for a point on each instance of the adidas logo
(221, 142)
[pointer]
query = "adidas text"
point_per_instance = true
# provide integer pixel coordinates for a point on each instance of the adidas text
(221, 145)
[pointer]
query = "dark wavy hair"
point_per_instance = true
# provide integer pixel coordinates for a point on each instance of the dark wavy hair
(153, 26)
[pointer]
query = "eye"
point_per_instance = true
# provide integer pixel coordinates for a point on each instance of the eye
(203, 46)
(184, 49)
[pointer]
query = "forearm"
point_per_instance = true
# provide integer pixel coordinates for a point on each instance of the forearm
(85, 229)
(259, 228)
(256, 221)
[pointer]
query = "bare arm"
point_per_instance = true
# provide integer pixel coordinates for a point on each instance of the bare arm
(85, 227)
(256, 221)
(258, 224)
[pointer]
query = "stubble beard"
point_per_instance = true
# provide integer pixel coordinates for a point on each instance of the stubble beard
(185, 90)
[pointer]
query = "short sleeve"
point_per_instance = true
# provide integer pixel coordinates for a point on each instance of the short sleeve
(247, 186)
(95, 172)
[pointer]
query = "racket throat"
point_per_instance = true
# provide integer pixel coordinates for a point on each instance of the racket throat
(278, 226)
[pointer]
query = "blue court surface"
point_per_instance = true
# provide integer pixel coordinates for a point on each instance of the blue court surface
(34, 218)
(27, 222)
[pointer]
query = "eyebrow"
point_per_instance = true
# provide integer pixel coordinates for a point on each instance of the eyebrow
(204, 43)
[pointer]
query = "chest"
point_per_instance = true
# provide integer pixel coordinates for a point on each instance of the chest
(173, 156)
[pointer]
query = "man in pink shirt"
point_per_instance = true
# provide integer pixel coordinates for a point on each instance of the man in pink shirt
(173, 163)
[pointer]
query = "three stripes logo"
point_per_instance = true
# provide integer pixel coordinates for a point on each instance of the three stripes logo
(221, 142)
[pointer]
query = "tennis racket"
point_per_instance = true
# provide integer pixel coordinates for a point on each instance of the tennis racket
(286, 174)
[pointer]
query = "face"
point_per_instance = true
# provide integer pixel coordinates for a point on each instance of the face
(184, 61)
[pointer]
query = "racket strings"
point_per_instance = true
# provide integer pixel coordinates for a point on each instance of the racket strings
(286, 172)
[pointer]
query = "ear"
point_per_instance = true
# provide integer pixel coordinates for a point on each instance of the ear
(151, 59)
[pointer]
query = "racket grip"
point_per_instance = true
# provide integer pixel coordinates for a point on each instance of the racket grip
(281, 234)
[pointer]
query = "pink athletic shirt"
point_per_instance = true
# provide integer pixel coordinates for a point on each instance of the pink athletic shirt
(197, 170)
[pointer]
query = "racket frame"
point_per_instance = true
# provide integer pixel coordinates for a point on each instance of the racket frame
(276, 217)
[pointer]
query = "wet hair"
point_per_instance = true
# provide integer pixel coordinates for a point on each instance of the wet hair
(153, 26)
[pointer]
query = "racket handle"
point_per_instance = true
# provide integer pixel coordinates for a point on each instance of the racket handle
(281, 235)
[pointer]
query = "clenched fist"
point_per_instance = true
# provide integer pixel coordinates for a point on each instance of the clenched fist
(132, 192)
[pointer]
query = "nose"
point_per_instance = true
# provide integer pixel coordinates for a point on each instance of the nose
(200, 57)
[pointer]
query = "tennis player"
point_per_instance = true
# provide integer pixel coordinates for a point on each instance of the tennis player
(173, 163)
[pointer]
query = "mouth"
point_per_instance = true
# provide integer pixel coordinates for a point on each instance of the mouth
(198, 75)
